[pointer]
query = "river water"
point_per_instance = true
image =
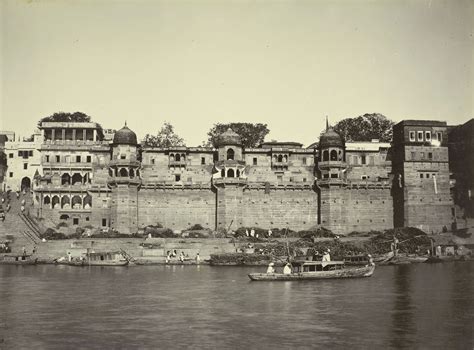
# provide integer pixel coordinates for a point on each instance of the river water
(157, 307)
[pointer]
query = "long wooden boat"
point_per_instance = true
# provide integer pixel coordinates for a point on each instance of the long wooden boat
(97, 259)
(18, 260)
(315, 270)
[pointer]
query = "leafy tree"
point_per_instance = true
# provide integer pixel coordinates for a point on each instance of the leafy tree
(365, 128)
(251, 134)
(76, 117)
(166, 137)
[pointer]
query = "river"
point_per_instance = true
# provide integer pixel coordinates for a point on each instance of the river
(157, 307)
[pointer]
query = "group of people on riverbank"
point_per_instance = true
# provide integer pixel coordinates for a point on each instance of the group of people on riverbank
(5, 204)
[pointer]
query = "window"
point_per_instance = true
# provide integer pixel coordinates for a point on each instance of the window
(420, 135)
(88, 159)
(427, 176)
(11, 174)
(355, 160)
(334, 176)
(104, 222)
(430, 155)
(325, 155)
(20, 153)
(25, 166)
(279, 178)
(78, 159)
(412, 136)
(153, 161)
(230, 154)
(10, 155)
(364, 177)
(75, 221)
(47, 159)
(421, 175)
(255, 161)
(333, 154)
(177, 177)
(326, 176)
(304, 161)
(123, 156)
(428, 135)
(58, 159)
(413, 155)
(363, 160)
(422, 154)
(304, 179)
(203, 160)
(87, 218)
(439, 136)
(30, 153)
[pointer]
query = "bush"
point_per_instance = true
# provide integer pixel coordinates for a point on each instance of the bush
(51, 234)
(319, 232)
(196, 227)
(159, 232)
(62, 224)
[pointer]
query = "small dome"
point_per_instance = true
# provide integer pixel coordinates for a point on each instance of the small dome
(229, 138)
(330, 138)
(125, 136)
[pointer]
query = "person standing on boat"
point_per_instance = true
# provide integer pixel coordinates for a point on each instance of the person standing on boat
(326, 256)
(287, 269)
(270, 268)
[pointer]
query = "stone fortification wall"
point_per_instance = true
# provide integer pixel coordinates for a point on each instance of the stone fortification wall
(177, 208)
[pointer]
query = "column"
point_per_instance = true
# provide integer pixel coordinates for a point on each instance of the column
(83, 134)
(95, 135)
(63, 134)
(53, 134)
(74, 134)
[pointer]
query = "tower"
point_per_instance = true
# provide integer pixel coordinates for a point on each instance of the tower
(421, 189)
(124, 179)
(229, 180)
(330, 180)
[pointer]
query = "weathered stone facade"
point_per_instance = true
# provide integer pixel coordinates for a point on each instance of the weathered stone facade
(345, 187)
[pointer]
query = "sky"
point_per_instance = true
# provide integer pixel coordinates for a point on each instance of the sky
(288, 64)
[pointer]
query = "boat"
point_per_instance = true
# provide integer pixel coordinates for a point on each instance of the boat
(315, 270)
(96, 259)
(18, 260)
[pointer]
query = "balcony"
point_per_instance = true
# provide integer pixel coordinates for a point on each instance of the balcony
(223, 181)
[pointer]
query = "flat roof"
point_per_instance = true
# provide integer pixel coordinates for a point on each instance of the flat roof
(412, 122)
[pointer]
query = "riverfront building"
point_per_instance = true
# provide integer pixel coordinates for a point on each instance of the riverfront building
(84, 178)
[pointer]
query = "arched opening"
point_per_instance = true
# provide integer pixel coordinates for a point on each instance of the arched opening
(285, 158)
(76, 179)
(111, 173)
(46, 200)
(65, 202)
(183, 157)
(55, 202)
(222, 173)
(76, 202)
(123, 172)
(25, 183)
(333, 154)
(280, 158)
(138, 173)
(325, 155)
(65, 179)
(87, 202)
(116, 172)
(172, 157)
(132, 173)
(230, 173)
(64, 217)
(230, 154)
(177, 158)
(238, 173)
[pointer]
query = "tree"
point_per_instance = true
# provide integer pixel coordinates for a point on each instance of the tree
(166, 137)
(251, 134)
(76, 117)
(365, 128)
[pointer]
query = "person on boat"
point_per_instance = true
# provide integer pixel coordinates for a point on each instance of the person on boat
(326, 255)
(270, 268)
(287, 269)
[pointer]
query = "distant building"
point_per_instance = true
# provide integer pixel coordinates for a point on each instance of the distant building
(85, 178)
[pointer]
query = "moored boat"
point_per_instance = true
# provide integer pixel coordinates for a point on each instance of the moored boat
(96, 259)
(18, 260)
(314, 270)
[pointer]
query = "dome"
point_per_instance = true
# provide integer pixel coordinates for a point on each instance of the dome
(125, 136)
(330, 138)
(229, 138)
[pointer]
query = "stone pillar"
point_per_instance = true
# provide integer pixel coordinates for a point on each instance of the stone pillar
(63, 134)
(95, 135)
(83, 134)
(74, 134)
(53, 134)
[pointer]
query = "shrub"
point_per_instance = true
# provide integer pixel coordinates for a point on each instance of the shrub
(51, 234)
(62, 224)
(196, 227)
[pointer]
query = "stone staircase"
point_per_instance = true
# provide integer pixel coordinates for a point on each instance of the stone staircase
(17, 226)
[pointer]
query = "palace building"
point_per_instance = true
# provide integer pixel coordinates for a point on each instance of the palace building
(83, 177)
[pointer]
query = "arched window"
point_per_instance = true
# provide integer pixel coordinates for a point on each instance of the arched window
(76, 202)
(183, 157)
(65, 179)
(222, 173)
(238, 173)
(123, 172)
(285, 158)
(65, 202)
(87, 202)
(138, 173)
(46, 200)
(132, 174)
(325, 155)
(230, 173)
(64, 217)
(333, 154)
(177, 157)
(280, 158)
(230, 154)
(76, 179)
(55, 201)
(172, 157)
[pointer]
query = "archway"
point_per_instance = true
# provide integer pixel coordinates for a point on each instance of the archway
(87, 202)
(25, 183)
(230, 154)
(333, 154)
(280, 158)
(64, 217)
(325, 156)
(65, 202)
(177, 157)
(172, 157)
(65, 179)
(222, 173)
(123, 172)
(55, 201)
(132, 174)
(76, 202)
(76, 179)
(46, 200)
(230, 173)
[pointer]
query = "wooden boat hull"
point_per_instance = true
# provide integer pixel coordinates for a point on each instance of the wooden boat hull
(95, 263)
(351, 272)
(28, 261)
